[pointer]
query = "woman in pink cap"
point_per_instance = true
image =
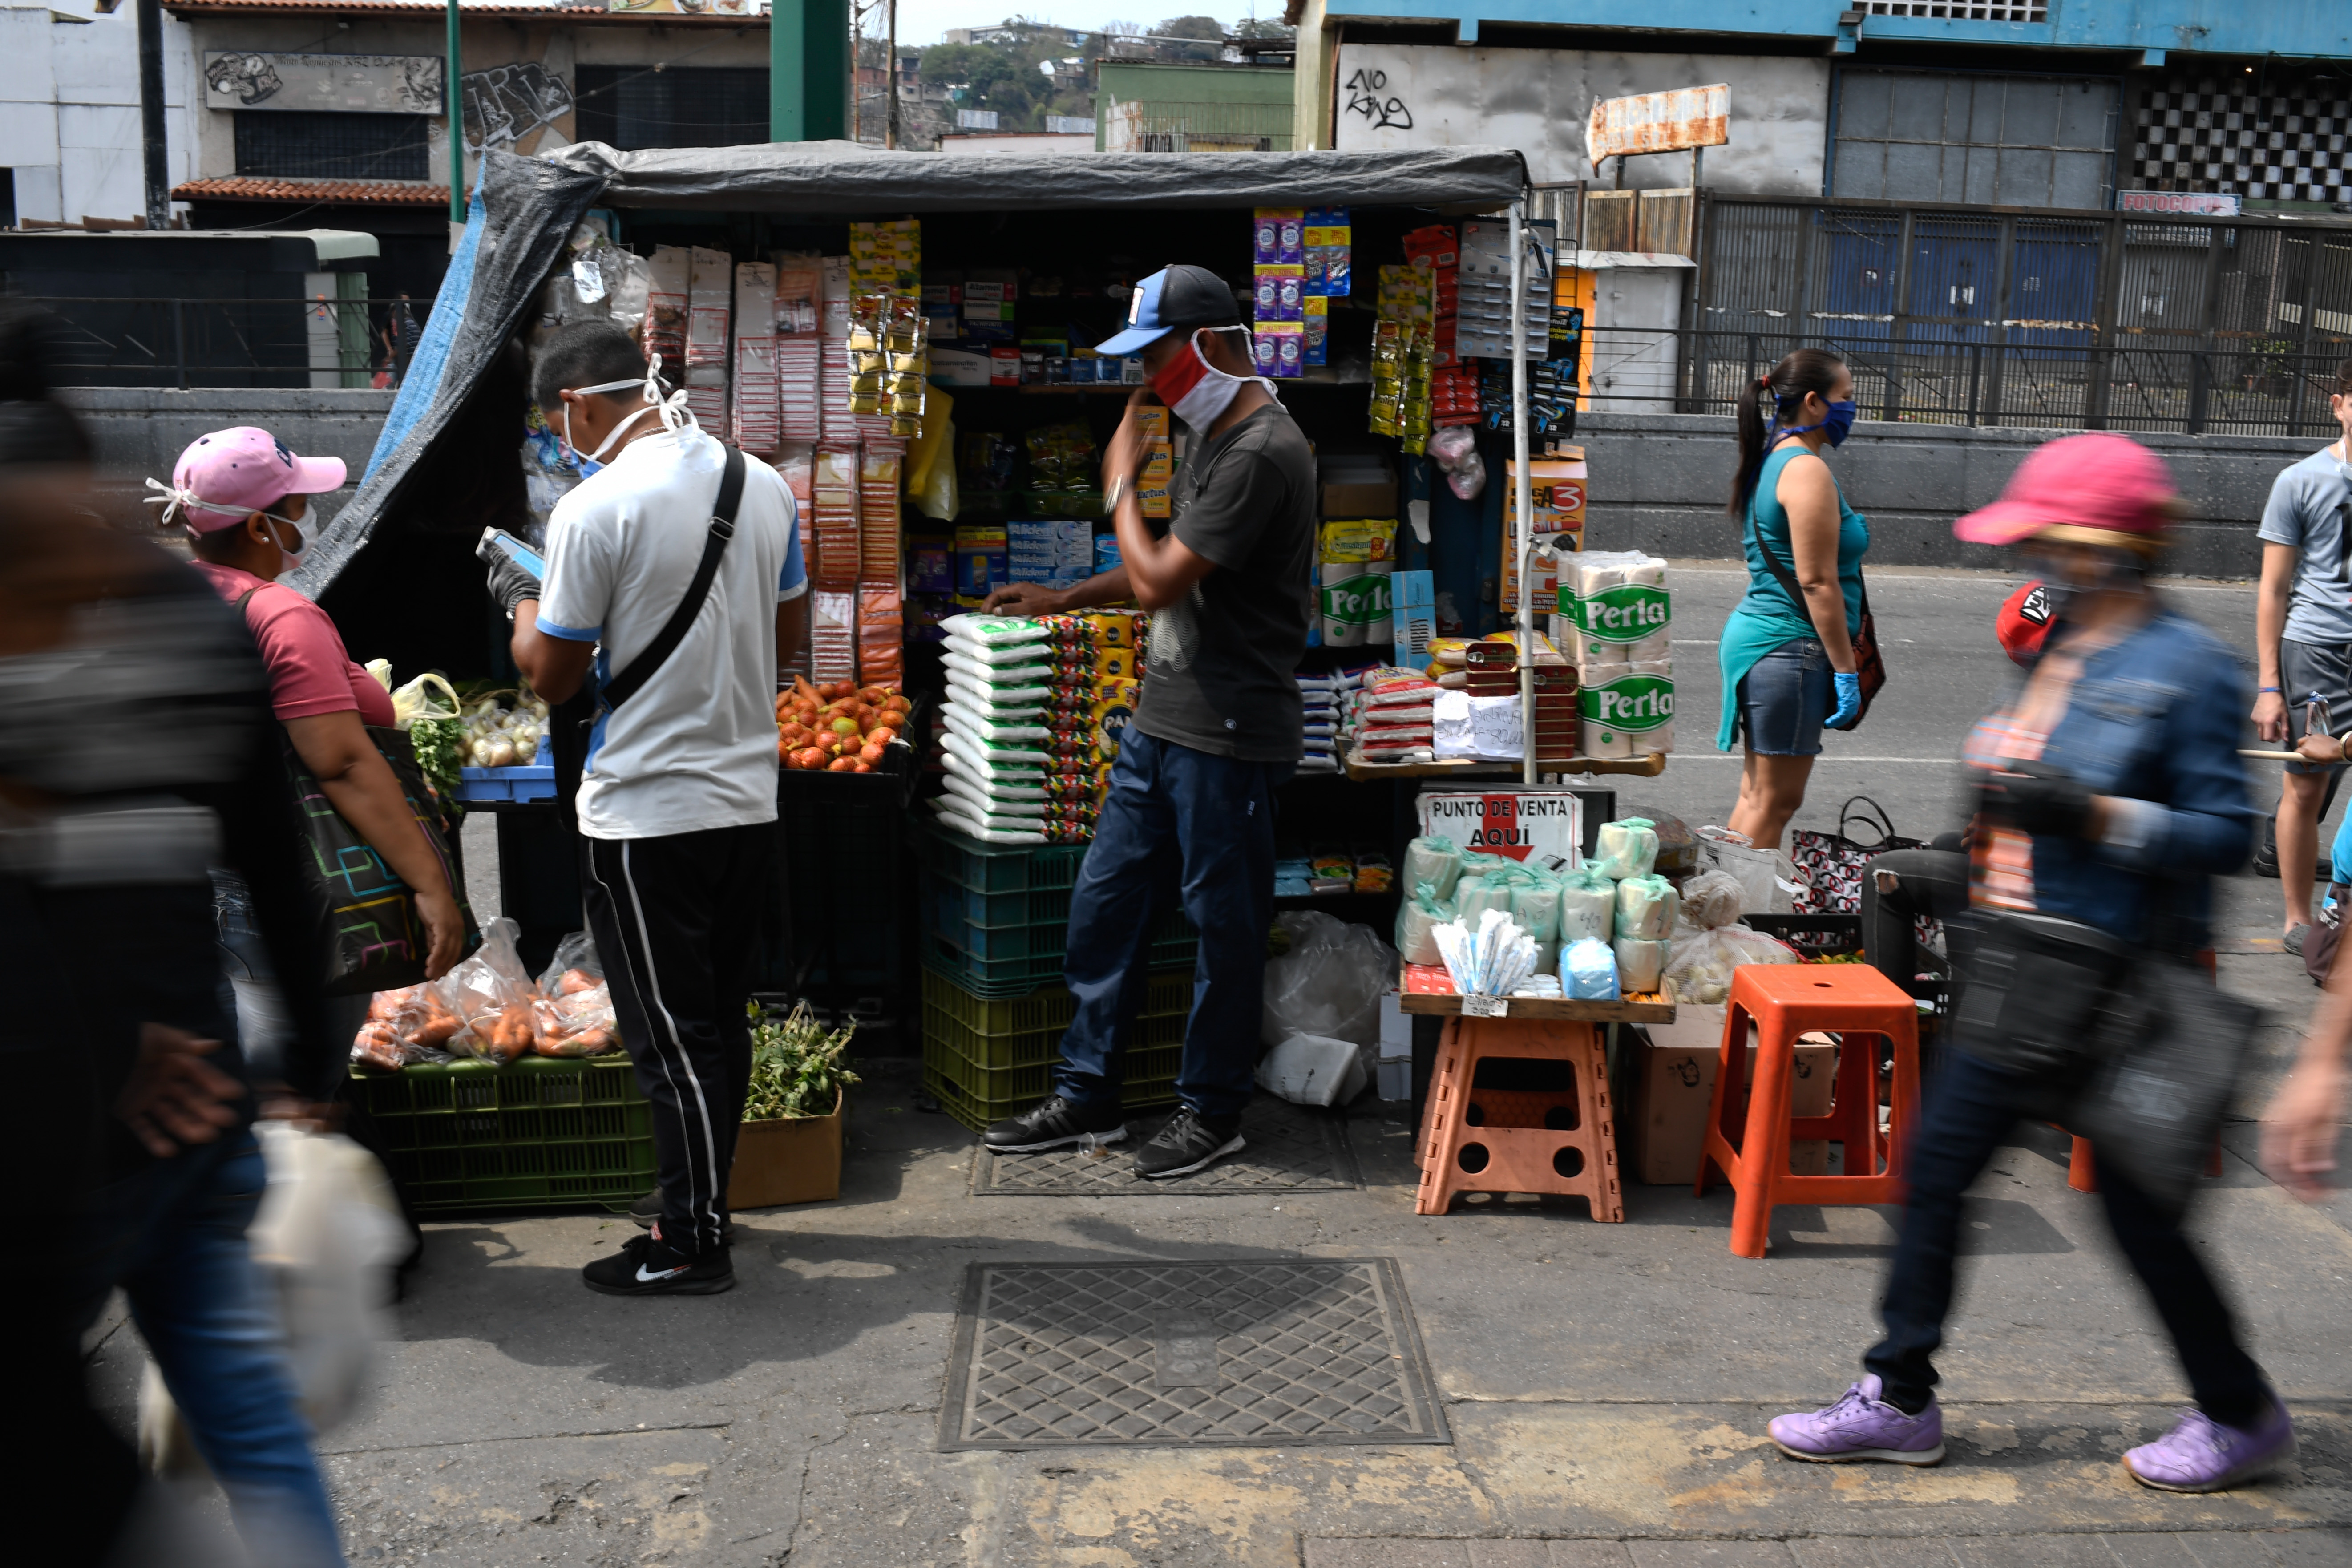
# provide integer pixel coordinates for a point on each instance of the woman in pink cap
(2109, 794)
(242, 499)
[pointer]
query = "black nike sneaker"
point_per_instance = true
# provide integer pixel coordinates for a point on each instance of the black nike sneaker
(1191, 1141)
(1052, 1124)
(647, 1266)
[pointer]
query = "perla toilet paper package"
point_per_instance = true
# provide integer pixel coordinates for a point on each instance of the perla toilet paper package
(1627, 709)
(1617, 603)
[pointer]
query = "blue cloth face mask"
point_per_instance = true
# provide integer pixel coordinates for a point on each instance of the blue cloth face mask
(1837, 422)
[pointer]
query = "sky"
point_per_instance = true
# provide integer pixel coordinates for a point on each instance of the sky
(927, 21)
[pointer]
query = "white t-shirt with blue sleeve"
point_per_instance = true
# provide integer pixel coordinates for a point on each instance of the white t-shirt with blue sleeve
(694, 747)
(2309, 506)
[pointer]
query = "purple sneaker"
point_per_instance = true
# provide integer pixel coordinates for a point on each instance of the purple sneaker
(2201, 1454)
(1861, 1425)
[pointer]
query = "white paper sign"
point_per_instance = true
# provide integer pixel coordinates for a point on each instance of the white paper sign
(1537, 825)
(1485, 1006)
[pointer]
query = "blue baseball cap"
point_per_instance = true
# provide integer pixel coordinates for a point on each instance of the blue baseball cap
(1171, 298)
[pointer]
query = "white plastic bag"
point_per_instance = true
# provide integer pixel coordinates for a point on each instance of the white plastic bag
(1768, 878)
(1640, 963)
(1314, 1069)
(1588, 904)
(1646, 909)
(1629, 847)
(1710, 899)
(327, 1228)
(1698, 966)
(1330, 983)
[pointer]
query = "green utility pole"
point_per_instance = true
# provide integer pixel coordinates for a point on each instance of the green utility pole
(808, 70)
(457, 125)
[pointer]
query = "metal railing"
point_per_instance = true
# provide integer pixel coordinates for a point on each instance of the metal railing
(2080, 321)
(2134, 385)
(285, 342)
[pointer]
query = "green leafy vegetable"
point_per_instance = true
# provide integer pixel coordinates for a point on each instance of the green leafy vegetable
(797, 1066)
(436, 740)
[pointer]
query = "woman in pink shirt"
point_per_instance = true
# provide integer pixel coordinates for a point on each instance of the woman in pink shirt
(242, 498)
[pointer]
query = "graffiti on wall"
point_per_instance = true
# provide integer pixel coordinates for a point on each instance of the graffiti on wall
(354, 84)
(506, 103)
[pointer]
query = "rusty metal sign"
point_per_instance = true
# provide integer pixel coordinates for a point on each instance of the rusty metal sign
(1672, 122)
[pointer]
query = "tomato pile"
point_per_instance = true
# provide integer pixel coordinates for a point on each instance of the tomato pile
(838, 727)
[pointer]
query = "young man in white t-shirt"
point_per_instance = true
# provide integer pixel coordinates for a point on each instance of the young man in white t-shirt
(678, 802)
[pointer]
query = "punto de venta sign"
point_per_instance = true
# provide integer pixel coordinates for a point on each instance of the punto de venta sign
(351, 84)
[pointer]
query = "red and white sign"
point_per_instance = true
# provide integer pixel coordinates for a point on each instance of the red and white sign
(1538, 826)
(2193, 203)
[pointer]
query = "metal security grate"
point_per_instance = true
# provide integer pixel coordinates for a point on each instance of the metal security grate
(1260, 1354)
(1288, 1149)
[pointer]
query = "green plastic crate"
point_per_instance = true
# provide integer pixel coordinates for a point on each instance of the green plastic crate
(539, 1133)
(977, 1113)
(1047, 1007)
(1000, 868)
(987, 945)
(1020, 976)
(997, 1052)
(1023, 1086)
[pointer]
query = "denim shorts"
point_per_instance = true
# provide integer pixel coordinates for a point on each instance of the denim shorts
(1784, 698)
(2315, 670)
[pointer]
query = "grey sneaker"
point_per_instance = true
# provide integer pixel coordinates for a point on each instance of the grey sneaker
(2293, 941)
(1189, 1143)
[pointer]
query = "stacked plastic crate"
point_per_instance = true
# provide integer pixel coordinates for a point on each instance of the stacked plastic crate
(995, 927)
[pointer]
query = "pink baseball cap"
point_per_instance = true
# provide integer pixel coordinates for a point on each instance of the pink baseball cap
(223, 478)
(2095, 488)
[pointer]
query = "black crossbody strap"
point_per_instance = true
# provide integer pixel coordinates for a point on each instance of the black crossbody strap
(722, 529)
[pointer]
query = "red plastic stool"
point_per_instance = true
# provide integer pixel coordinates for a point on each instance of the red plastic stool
(1786, 1000)
(1518, 1141)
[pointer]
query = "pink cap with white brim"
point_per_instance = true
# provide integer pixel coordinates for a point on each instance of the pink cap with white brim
(226, 476)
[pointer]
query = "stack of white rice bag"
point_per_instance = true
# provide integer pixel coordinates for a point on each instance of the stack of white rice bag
(1002, 783)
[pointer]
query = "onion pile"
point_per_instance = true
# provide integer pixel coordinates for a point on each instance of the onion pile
(497, 736)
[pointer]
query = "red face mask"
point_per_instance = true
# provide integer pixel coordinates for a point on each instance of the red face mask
(1196, 389)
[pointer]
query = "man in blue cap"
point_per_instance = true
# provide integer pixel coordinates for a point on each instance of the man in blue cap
(1217, 730)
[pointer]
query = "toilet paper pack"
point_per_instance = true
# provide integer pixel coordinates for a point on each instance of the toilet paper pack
(1627, 711)
(1619, 608)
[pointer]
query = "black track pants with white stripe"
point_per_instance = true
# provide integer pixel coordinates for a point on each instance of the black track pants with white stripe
(675, 919)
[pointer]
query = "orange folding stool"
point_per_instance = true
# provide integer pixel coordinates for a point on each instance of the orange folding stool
(1518, 1141)
(1786, 1000)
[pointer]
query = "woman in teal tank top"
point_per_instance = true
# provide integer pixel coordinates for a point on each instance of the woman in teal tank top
(1787, 657)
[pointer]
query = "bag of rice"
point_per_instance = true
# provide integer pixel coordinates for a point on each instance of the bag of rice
(1418, 918)
(1629, 847)
(1640, 963)
(1646, 909)
(1588, 905)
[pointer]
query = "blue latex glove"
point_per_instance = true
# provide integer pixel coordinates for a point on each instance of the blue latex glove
(1849, 698)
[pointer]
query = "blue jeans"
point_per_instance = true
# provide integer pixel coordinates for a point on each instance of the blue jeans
(173, 1235)
(1970, 1110)
(1784, 698)
(1181, 820)
(263, 1025)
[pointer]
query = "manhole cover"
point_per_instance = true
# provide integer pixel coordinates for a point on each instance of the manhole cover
(1306, 1350)
(1288, 1149)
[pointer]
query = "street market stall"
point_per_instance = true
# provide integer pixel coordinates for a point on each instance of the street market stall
(911, 348)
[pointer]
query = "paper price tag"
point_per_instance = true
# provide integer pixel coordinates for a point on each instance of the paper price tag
(1485, 1006)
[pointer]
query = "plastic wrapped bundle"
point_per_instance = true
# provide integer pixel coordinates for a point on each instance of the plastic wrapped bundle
(1629, 847)
(1418, 918)
(1711, 899)
(1492, 960)
(1484, 893)
(1588, 970)
(1646, 909)
(1588, 905)
(1640, 963)
(1434, 859)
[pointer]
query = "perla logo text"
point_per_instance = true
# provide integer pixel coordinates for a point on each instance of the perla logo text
(1625, 613)
(1634, 702)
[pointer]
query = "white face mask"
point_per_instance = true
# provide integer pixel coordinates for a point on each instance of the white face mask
(675, 416)
(295, 556)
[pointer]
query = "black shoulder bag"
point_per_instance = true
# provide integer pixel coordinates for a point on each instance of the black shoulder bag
(576, 716)
(1867, 662)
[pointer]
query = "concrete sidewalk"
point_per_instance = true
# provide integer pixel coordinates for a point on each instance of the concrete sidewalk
(1603, 1384)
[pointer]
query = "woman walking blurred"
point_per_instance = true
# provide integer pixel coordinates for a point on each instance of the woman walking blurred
(1788, 651)
(2109, 794)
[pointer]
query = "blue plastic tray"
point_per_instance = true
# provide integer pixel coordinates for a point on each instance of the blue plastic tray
(536, 782)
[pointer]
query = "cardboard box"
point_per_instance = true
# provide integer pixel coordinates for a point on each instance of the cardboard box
(1354, 486)
(1674, 1082)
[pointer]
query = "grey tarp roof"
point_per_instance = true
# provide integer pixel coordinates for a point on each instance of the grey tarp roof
(842, 178)
(529, 205)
